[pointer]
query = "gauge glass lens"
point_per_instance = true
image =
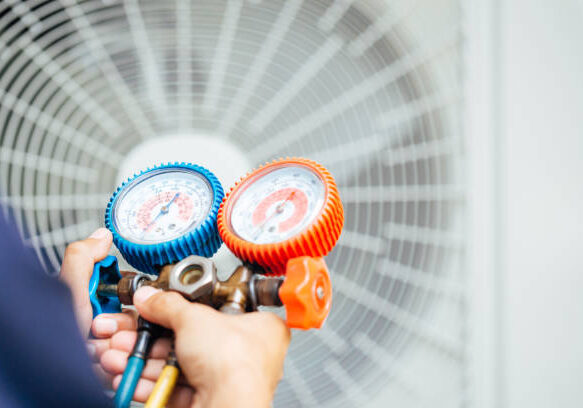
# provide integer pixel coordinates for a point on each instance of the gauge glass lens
(277, 205)
(162, 205)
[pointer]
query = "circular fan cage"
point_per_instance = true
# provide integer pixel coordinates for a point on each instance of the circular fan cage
(370, 89)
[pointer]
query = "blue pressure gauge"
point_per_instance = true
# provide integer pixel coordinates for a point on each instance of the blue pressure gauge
(165, 214)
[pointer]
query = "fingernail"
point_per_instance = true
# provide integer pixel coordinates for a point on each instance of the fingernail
(143, 293)
(91, 349)
(100, 233)
(105, 326)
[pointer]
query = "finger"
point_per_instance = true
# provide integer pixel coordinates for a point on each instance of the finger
(144, 388)
(168, 308)
(96, 348)
(85, 253)
(125, 340)
(107, 324)
(115, 361)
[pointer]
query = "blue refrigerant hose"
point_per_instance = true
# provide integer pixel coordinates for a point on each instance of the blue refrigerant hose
(147, 333)
(127, 386)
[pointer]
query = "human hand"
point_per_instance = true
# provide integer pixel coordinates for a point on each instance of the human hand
(229, 360)
(78, 262)
(76, 270)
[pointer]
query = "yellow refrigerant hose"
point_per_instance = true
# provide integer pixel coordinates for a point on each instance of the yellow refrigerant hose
(165, 383)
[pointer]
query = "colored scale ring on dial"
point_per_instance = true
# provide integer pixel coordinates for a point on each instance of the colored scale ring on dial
(285, 219)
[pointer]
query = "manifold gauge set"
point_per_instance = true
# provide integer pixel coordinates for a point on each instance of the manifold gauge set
(167, 222)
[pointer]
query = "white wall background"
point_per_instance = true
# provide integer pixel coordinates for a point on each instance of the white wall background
(541, 124)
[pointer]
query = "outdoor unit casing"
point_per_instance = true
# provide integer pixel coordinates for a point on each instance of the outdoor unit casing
(393, 97)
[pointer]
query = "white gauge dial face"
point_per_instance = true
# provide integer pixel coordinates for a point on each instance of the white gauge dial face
(162, 205)
(277, 205)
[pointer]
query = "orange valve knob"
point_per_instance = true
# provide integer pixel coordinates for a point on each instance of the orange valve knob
(306, 293)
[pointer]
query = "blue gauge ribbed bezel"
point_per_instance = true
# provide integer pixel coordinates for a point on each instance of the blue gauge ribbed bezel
(203, 240)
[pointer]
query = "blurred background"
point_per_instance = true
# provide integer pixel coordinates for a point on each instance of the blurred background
(453, 129)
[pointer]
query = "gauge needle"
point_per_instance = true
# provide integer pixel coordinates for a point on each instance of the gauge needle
(278, 210)
(163, 210)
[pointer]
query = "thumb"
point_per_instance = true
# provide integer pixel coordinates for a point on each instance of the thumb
(80, 257)
(162, 307)
(87, 252)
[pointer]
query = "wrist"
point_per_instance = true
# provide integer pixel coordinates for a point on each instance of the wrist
(248, 390)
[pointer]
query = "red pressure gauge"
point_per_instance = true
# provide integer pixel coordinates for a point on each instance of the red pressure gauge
(283, 210)
(285, 216)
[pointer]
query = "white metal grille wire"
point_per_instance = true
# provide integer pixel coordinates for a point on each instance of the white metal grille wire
(371, 89)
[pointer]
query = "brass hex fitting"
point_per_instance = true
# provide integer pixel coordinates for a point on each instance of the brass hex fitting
(193, 277)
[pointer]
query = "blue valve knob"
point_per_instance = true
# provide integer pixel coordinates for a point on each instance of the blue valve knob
(105, 271)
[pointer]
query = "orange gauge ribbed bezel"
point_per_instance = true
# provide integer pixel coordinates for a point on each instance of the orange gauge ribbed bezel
(316, 239)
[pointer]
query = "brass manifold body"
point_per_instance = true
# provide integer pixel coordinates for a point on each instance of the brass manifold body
(196, 279)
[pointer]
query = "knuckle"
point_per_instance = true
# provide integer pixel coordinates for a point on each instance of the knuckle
(75, 249)
(168, 299)
(167, 302)
(106, 358)
(159, 301)
(129, 314)
(277, 326)
(273, 320)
